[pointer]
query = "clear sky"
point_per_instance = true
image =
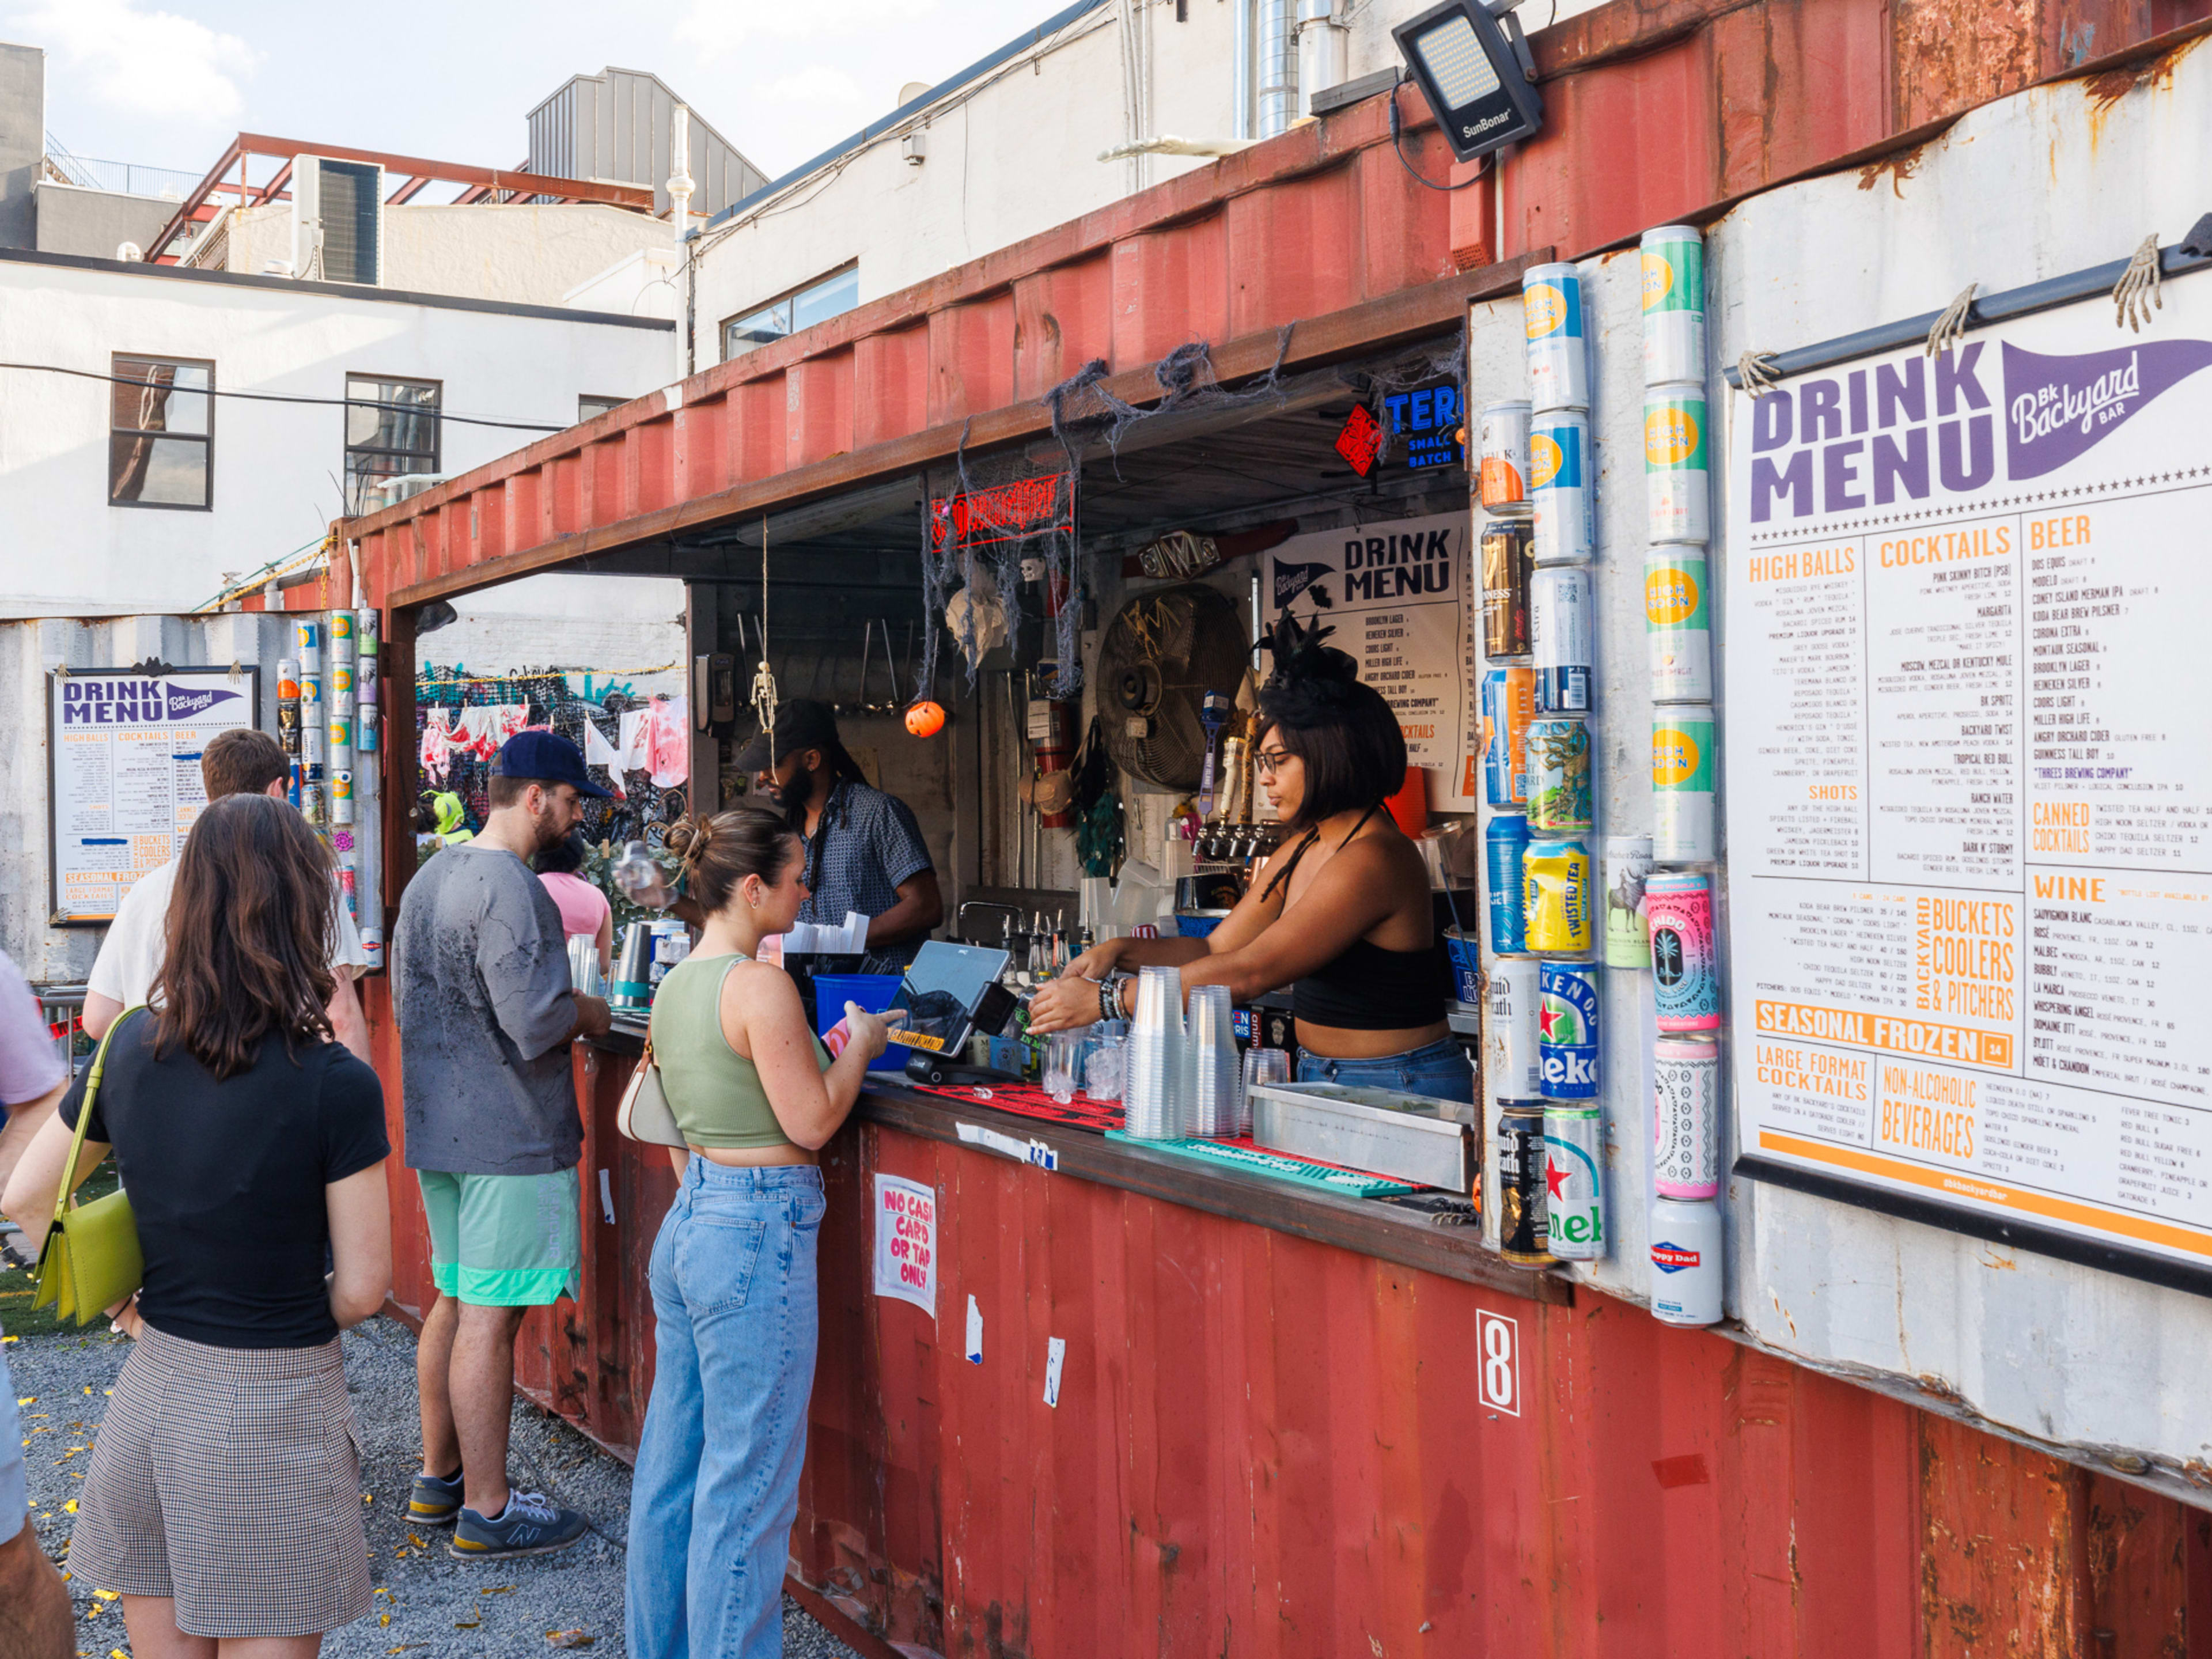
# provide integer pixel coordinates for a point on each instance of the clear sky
(166, 84)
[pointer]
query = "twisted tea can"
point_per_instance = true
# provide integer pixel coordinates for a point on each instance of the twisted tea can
(1628, 934)
(1559, 776)
(1686, 1107)
(1506, 568)
(1673, 305)
(1686, 1262)
(1559, 355)
(1522, 1237)
(1515, 1069)
(1568, 1034)
(1504, 844)
(1559, 485)
(1685, 964)
(1559, 607)
(1677, 625)
(1503, 481)
(1509, 704)
(1574, 1181)
(1677, 484)
(1683, 757)
(1555, 898)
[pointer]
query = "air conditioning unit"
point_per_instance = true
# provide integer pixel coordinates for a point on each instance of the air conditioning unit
(338, 221)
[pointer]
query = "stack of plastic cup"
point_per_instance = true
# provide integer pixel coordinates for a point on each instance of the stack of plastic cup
(1263, 1066)
(1216, 1079)
(1152, 1090)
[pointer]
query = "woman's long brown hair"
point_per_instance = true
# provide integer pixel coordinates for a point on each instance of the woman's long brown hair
(249, 936)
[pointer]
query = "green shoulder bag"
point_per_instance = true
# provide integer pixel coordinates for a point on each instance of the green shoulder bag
(91, 1261)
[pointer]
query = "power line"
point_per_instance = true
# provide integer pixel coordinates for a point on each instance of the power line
(286, 398)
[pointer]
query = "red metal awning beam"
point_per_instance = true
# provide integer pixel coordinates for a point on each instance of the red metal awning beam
(512, 181)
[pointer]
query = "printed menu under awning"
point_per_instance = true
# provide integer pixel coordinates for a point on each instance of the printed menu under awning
(1969, 808)
(125, 753)
(1396, 594)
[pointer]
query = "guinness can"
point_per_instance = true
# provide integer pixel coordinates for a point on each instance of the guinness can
(1523, 1234)
(1507, 560)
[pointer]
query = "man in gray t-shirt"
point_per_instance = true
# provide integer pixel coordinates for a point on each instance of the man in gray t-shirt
(480, 989)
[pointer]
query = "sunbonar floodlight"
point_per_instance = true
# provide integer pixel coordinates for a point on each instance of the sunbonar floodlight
(1479, 80)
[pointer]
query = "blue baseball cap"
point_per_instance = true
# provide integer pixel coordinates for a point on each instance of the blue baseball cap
(549, 758)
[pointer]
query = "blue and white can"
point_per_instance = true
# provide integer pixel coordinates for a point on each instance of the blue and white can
(1503, 843)
(1686, 1262)
(1560, 486)
(1511, 1030)
(1559, 353)
(1559, 610)
(1568, 1035)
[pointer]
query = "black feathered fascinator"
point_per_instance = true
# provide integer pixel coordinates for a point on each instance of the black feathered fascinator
(1313, 683)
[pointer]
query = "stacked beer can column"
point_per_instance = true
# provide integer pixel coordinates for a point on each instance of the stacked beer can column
(1544, 984)
(1686, 1233)
(369, 784)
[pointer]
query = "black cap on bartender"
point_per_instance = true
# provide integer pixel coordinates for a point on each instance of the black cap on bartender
(801, 723)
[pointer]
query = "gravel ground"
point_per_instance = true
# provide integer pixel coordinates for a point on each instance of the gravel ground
(428, 1603)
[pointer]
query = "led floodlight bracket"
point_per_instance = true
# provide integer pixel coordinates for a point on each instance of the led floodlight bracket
(1474, 67)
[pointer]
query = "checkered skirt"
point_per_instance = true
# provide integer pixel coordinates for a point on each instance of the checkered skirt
(230, 1478)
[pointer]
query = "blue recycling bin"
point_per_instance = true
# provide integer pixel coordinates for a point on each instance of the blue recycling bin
(874, 992)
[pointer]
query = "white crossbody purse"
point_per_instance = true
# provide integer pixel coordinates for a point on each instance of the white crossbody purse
(644, 1114)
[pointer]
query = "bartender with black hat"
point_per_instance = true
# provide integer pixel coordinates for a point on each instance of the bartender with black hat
(863, 849)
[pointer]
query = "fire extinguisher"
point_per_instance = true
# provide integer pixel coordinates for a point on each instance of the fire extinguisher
(1052, 736)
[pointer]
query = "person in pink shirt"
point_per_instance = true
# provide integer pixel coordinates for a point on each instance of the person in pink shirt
(584, 908)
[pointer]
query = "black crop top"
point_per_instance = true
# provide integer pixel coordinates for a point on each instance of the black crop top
(1366, 987)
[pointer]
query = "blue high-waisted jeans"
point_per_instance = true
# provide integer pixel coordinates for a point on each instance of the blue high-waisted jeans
(1438, 1070)
(717, 1483)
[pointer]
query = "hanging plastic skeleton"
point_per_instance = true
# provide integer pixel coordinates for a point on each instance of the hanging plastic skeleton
(763, 692)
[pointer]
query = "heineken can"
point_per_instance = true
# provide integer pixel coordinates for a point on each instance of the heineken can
(1673, 305)
(341, 726)
(342, 795)
(1509, 704)
(367, 628)
(1683, 757)
(1515, 1069)
(1521, 1215)
(1574, 1181)
(1559, 606)
(1559, 776)
(1677, 486)
(1685, 1116)
(1627, 867)
(1568, 1035)
(1559, 355)
(1685, 962)
(1503, 481)
(307, 641)
(287, 677)
(1686, 1262)
(1559, 485)
(365, 728)
(1556, 899)
(1504, 842)
(1506, 547)
(1677, 625)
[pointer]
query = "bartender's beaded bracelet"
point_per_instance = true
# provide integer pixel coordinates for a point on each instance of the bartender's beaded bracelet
(1110, 998)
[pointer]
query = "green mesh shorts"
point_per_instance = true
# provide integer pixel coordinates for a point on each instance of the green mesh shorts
(503, 1241)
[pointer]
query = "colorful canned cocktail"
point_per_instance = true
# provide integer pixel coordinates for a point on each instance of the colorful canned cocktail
(1677, 625)
(1683, 764)
(1503, 480)
(1559, 485)
(1686, 1103)
(1685, 964)
(1673, 305)
(1686, 1262)
(1559, 356)
(1677, 484)
(1558, 775)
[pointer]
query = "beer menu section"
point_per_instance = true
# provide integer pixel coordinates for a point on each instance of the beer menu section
(1969, 783)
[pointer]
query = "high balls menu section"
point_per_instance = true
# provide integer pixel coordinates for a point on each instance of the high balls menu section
(1969, 804)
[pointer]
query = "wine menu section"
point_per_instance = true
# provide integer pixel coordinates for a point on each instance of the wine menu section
(1969, 786)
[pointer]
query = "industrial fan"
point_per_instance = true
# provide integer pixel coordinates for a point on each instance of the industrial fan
(1163, 652)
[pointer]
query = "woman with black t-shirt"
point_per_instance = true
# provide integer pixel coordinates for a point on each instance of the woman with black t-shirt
(223, 1499)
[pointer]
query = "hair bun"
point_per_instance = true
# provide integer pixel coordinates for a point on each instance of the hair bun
(689, 838)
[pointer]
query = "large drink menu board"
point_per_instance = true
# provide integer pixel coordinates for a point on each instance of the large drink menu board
(123, 752)
(1969, 780)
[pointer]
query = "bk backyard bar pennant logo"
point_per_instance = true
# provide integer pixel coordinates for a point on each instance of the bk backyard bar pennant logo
(2059, 407)
(188, 702)
(1292, 580)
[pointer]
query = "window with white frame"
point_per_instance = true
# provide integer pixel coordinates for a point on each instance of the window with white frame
(160, 433)
(802, 307)
(391, 432)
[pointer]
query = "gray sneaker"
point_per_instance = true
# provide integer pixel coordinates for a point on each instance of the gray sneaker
(433, 1502)
(530, 1524)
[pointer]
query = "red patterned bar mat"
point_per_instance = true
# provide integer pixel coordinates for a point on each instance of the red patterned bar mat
(1027, 1100)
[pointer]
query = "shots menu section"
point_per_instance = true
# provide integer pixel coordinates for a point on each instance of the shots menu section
(124, 754)
(1969, 793)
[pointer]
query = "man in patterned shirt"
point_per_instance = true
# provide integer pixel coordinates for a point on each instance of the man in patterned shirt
(864, 850)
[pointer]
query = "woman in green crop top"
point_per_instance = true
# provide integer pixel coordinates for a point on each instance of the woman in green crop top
(733, 1267)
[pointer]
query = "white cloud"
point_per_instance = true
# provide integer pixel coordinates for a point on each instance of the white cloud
(717, 27)
(817, 84)
(154, 63)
